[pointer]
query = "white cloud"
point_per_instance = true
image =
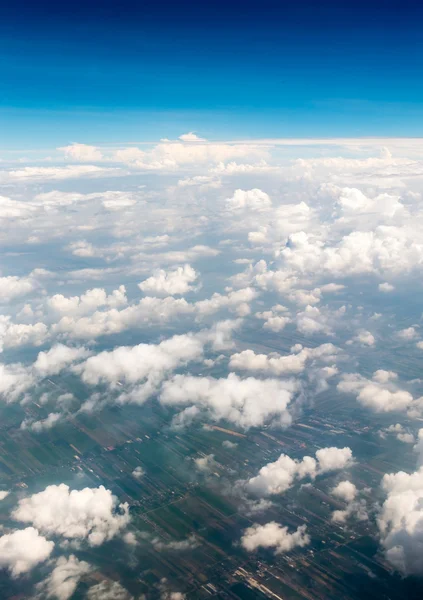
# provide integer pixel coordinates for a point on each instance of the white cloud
(380, 394)
(244, 402)
(279, 476)
(365, 338)
(386, 287)
(273, 535)
(58, 358)
(255, 200)
(63, 580)
(81, 152)
(170, 283)
(400, 521)
(138, 472)
(108, 590)
(22, 549)
(345, 490)
(191, 137)
(146, 363)
(283, 365)
(4, 495)
(91, 513)
(407, 334)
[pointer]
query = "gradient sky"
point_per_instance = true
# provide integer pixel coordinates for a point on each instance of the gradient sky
(103, 71)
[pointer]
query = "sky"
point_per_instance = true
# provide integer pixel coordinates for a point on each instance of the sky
(108, 72)
(215, 209)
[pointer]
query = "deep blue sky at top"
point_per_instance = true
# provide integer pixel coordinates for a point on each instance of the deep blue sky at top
(108, 71)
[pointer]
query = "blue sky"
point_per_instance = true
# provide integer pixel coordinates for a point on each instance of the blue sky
(106, 72)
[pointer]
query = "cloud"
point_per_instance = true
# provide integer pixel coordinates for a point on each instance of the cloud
(22, 549)
(58, 358)
(273, 535)
(171, 282)
(255, 200)
(386, 287)
(34, 174)
(81, 152)
(348, 492)
(191, 137)
(289, 364)
(279, 476)
(407, 334)
(205, 464)
(146, 363)
(138, 473)
(4, 495)
(108, 590)
(63, 580)
(400, 521)
(345, 490)
(92, 513)
(244, 402)
(380, 394)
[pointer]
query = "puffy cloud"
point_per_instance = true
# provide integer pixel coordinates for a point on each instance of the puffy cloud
(63, 580)
(284, 365)
(407, 334)
(146, 363)
(400, 521)
(58, 358)
(245, 402)
(138, 473)
(37, 426)
(279, 476)
(365, 338)
(236, 301)
(380, 394)
(387, 249)
(345, 490)
(108, 590)
(12, 287)
(81, 152)
(4, 495)
(13, 335)
(15, 379)
(171, 282)
(386, 287)
(255, 200)
(205, 463)
(191, 137)
(273, 535)
(91, 513)
(87, 302)
(22, 549)
(313, 320)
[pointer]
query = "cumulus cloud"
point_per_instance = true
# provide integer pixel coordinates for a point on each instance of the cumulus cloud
(400, 521)
(255, 200)
(244, 402)
(345, 490)
(284, 365)
(81, 152)
(58, 358)
(22, 549)
(138, 472)
(277, 477)
(380, 393)
(63, 580)
(92, 513)
(170, 283)
(273, 535)
(108, 590)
